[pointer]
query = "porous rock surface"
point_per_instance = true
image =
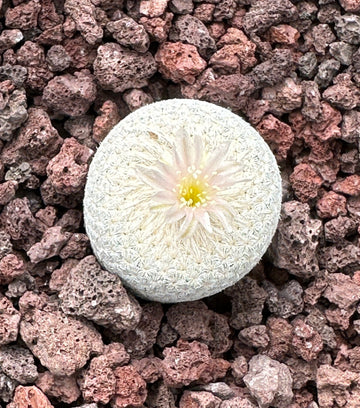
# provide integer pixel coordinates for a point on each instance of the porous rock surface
(46, 331)
(97, 295)
(287, 335)
(278, 391)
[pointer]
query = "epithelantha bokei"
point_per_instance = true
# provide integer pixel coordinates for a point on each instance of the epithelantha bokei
(182, 200)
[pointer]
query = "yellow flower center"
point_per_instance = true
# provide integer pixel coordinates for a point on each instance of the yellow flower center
(193, 191)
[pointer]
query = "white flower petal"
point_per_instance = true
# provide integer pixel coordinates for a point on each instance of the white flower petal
(187, 227)
(154, 178)
(175, 213)
(165, 197)
(204, 220)
(216, 159)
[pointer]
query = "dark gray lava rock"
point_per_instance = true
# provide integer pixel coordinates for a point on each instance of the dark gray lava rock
(263, 14)
(191, 30)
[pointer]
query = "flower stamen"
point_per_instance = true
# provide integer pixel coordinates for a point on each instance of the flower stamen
(192, 190)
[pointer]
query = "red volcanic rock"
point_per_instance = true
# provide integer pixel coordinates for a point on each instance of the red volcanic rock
(342, 290)
(216, 30)
(70, 94)
(11, 267)
(319, 36)
(46, 330)
(78, 246)
(81, 128)
(345, 94)
(237, 402)
(30, 397)
(305, 182)
(296, 226)
(194, 321)
(98, 295)
(224, 10)
(24, 16)
(179, 62)
(148, 368)
(349, 162)
(327, 125)
(306, 341)
(141, 339)
(50, 245)
(36, 143)
(118, 68)
(98, 382)
(283, 97)
(338, 228)
(9, 38)
(351, 6)
(339, 318)
(32, 56)
(335, 386)
(47, 215)
(129, 33)
(51, 36)
(331, 205)
(267, 393)
(64, 389)
(59, 276)
(204, 12)
(350, 127)
(280, 334)
(350, 185)
(9, 321)
(277, 134)
(191, 362)
(255, 336)
(57, 58)
(67, 170)
(19, 222)
(83, 12)
(247, 301)
(7, 191)
(301, 371)
(18, 364)
(235, 56)
(158, 28)
(274, 70)
(283, 34)
(239, 368)
(160, 396)
(336, 257)
(71, 220)
(230, 90)
(312, 109)
(48, 17)
(353, 206)
(130, 388)
(109, 116)
(199, 399)
(136, 98)
(167, 336)
(50, 196)
(81, 53)
(153, 8)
